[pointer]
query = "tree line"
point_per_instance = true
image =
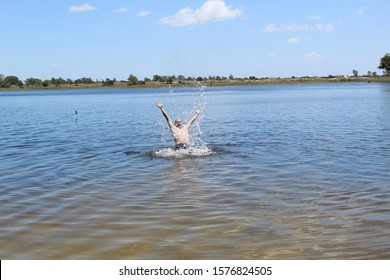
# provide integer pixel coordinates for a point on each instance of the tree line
(14, 81)
(9, 81)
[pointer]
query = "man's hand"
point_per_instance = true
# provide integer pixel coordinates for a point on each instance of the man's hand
(159, 105)
(197, 112)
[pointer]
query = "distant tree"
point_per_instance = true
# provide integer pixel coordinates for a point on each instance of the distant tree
(12, 81)
(84, 81)
(170, 79)
(133, 80)
(46, 83)
(231, 77)
(385, 64)
(375, 74)
(57, 81)
(157, 78)
(2, 83)
(355, 73)
(33, 82)
(108, 82)
(147, 80)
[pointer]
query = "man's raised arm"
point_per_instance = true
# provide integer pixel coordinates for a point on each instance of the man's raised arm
(160, 105)
(193, 119)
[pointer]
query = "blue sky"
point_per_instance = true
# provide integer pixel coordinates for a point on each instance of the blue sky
(113, 39)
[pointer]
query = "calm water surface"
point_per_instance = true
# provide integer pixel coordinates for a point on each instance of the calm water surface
(276, 172)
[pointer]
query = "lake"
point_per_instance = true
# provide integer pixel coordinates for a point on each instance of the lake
(274, 172)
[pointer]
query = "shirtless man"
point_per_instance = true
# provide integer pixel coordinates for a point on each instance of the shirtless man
(179, 132)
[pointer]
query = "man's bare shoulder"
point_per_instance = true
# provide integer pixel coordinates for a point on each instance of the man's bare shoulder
(174, 128)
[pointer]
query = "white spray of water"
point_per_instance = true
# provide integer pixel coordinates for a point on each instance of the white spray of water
(183, 153)
(200, 103)
(197, 146)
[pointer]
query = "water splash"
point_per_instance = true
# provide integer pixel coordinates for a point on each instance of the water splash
(179, 109)
(191, 152)
(170, 89)
(199, 103)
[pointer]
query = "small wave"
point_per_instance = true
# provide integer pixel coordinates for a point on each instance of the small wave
(182, 153)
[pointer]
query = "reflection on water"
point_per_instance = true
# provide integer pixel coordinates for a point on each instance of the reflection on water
(289, 172)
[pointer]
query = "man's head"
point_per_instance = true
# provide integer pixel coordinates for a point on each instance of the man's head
(178, 123)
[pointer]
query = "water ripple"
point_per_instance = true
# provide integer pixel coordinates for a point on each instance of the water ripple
(299, 173)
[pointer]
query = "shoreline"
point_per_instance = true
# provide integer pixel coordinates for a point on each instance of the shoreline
(211, 83)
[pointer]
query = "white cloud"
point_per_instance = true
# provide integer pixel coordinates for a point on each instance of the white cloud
(296, 27)
(211, 11)
(312, 56)
(315, 17)
(122, 10)
(292, 40)
(361, 11)
(324, 27)
(143, 13)
(81, 8)
(270, 28)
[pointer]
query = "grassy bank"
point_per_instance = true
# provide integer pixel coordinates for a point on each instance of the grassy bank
(211, 83)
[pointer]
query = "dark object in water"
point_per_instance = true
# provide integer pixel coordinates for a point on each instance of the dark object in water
(130, 153)
(181, 146)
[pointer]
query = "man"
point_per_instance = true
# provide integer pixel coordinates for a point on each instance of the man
(179, 132)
